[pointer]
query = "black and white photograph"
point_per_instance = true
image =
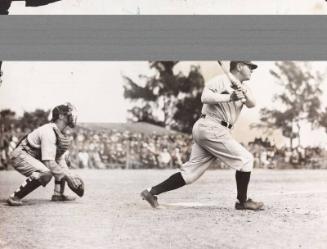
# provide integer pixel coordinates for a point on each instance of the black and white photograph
(163, 7)
(163, 154)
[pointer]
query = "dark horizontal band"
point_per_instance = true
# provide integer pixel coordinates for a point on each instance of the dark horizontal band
(163, 37)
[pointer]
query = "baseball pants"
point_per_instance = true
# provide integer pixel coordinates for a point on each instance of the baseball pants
(214, 141)
(27, 165)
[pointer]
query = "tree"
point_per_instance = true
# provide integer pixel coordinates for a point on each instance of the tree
(300, 100)
(323, 119)
(7, 120)
(166, 99)
(34, 119)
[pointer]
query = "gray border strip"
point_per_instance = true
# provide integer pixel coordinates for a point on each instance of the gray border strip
(163, 37)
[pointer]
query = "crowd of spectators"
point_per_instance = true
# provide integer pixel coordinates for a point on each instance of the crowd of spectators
(8, 142)
(111, 149)
(267, 155)
(128, 150)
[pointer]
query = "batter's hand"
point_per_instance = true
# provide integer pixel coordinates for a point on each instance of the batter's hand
(236, 84)
(237, 95)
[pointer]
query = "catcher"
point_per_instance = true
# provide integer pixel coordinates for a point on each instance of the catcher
(42, 154)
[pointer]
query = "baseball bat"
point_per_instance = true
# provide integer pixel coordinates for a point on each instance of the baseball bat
(230, 79)
(0, 73)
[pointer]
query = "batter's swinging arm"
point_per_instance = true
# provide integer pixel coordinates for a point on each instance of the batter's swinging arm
(233, 83)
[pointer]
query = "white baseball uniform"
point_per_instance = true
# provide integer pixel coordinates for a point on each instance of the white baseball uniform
(38, 146)
(211, 138)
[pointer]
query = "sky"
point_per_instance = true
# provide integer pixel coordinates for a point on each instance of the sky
(177, 7)
(96, 89)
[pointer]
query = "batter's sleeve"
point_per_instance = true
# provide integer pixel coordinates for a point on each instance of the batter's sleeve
(216, 85)
(215, 92)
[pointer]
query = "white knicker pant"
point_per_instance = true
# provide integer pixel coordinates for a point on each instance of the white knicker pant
(211, 141)
(25, 164)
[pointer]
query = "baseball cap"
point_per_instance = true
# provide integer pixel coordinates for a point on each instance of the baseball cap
(249, 63)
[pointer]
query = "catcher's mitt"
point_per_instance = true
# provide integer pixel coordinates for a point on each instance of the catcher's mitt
(63, 142)
(76, 184)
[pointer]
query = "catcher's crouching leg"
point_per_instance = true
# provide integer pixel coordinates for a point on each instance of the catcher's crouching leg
(29, 185)
(59, 190)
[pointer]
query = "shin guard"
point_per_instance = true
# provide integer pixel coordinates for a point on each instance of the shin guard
(27, 187)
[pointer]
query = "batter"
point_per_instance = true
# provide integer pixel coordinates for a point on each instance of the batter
(222, 104)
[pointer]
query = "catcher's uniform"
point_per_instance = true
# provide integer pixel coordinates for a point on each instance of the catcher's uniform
(41, 155)
(212, 135)
(40, 145)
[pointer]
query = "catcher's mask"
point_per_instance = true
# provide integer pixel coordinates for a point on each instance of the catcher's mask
(68, 110)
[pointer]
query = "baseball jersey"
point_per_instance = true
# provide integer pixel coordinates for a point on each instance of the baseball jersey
(228, 111)
(43, 140)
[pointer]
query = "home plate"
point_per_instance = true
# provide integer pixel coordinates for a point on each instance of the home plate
(187, 204)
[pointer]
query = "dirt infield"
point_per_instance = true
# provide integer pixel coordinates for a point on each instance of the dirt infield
(112, 215)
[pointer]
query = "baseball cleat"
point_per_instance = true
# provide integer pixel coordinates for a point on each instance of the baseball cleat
(150, 198)
(62, 198)
(249, 205)
(14, 201)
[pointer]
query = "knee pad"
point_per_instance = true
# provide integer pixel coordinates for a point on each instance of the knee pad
(45, 178)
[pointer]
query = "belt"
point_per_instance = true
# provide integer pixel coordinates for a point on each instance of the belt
(222, 122)
(29, 149)
(24, 143)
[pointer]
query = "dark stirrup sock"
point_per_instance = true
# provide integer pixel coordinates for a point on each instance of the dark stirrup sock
(27, 187)
(173, 182)
(59, 187)
(62, 186)
(242, 182)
